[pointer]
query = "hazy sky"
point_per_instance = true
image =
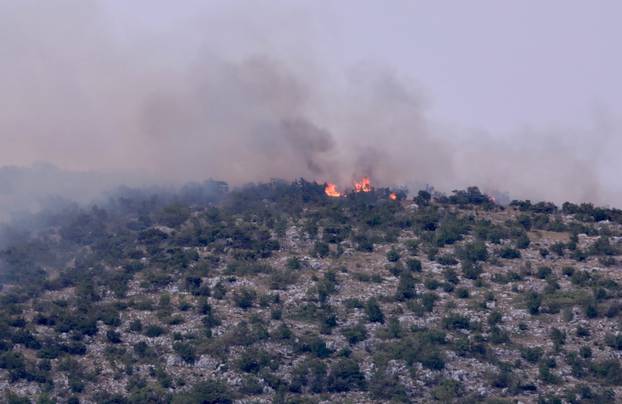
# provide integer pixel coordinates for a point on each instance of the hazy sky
(520, 95)
(496, 65)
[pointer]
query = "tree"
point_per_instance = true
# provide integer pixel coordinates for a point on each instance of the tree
(373, 311)
(558, 337)
(534, 300)
(423, 198)
(406, 286)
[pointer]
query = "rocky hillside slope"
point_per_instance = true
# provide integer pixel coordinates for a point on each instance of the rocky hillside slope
(278, 293)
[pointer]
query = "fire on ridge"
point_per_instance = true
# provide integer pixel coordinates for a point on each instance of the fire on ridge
(331, 190)
(364, 185)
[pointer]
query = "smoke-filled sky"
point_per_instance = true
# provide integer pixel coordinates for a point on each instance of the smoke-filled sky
(521, 96)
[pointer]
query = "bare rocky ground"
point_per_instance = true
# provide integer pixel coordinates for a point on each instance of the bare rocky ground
(467, 302)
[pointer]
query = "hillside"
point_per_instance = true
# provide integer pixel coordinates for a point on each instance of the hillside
(278, 293)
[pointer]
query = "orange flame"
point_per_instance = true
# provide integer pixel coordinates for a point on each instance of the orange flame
(363, 186)
(393, 196)
(331, 190)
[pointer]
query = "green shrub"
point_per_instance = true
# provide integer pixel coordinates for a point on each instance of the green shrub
(585, 352)
(447, 391)
(244, 297)
(253, 360)
(412, 246)
(413, 265)
(602, 246)
(522, 241)
(450, 231)
(280, 280)
(471, 270)
(206, 392)
(544, 272)
(428, 300)
(355, 334)
(154, 330)
(393, 255)
(614, 341)
(580, 278)
(462, 293)
(309, 375)
(558, 337)
(498, 335)
(495, 318)
(320, 249)
(568, 271)
(431, 283)
(251, 386)
(509, 253)
(534, 300)
(247, 268)
(532, 354)
(313, 344)
(609, 370)
(473, 252)
(345, 375)
(546, 375)
(113, 336)
(385, 386)
(454, 321)
(293, 263)
(186, 351)
(448, 260)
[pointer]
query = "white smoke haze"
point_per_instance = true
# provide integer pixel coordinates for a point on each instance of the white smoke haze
(90, 89)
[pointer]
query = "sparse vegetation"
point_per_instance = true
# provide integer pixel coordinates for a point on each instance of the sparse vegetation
(274, 292)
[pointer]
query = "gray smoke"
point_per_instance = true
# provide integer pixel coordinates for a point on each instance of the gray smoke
(25, 190)
(89, 92)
